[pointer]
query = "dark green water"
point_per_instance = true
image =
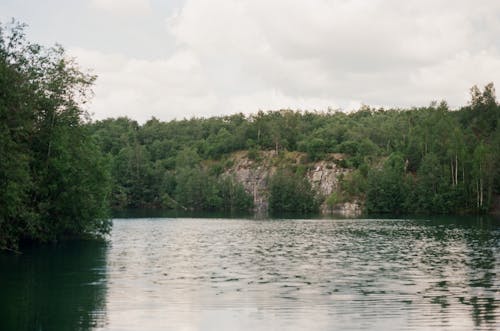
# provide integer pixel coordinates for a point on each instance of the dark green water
(230, 274)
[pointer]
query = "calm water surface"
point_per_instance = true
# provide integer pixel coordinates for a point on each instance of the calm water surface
(221, 274)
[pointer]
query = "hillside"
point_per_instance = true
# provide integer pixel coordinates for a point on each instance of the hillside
(420, 160)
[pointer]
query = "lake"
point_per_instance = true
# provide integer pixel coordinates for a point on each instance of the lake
(244, 274)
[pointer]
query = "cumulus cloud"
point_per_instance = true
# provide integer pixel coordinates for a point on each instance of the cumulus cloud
(340, 49)
(231, 56)
(166, 88)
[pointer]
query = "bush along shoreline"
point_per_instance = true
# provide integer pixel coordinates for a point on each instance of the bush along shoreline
(54, 180)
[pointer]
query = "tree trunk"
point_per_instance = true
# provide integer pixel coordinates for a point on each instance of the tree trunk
(480, 187)
(452, 174)
(477, 194)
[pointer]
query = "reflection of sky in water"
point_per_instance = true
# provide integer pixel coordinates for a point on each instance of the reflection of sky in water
(302, 275)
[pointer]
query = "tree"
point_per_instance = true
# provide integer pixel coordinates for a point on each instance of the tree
(387, 188)
(315, 148)
(485, 111)
(54, 181)
(432, 192)
(233, 196)
(482, 174)
(291, 193)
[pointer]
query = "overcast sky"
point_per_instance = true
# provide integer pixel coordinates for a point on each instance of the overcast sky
(183, 58)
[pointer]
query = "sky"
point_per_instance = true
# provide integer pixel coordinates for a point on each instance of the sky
(177, 59)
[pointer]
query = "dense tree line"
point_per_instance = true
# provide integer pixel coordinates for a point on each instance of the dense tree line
(429, 159)
(54, 181)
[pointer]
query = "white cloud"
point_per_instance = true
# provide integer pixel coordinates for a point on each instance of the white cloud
(343, 50)
(123, 7)
(140, 89)
(463, 70)
(246, 55)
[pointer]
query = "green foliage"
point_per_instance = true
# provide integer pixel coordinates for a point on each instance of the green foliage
(458, 177)
(314, 147)
(196, 190)
(233, 196)
(54, 181)
(387, 188)
(355, 185)
(291, 193)
(204, 188)
(200, 191)
(431, 189)
(333, 199)
(254, 154)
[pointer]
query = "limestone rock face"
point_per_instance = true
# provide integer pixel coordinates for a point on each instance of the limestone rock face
(347, 209)
(254, 176)
(323, 175)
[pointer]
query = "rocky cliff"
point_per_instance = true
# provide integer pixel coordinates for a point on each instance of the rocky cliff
(254, 173)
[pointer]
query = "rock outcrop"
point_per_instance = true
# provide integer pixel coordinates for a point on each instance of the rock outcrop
(323, 175)
(254, 177)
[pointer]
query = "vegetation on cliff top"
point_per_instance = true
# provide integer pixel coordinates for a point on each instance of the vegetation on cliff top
(420, 160)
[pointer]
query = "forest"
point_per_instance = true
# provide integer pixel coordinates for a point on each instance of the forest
(61, 172)
(421, 160)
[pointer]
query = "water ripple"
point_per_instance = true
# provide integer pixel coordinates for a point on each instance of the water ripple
(296, 274)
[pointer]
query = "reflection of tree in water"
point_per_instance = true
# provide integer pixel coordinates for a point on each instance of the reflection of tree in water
(437, 261)
(482, 242)
(460, 255)
(54, 288)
